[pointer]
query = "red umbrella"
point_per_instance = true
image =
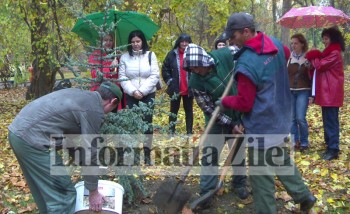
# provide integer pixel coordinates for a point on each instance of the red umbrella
(313, 17)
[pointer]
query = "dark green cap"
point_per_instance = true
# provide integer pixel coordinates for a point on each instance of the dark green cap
(113, 88)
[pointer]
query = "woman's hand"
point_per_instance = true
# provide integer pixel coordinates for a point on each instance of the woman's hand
(114, 65)
(311, 100)
(96, 200)
(137, 95)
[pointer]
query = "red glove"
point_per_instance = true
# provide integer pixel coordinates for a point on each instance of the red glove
(313, 54)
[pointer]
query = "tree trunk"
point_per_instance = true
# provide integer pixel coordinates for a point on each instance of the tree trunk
(287, 5)
(43, 78)
(274, 12)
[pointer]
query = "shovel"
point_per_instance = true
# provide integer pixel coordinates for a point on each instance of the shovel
(171, 195)
(219, 186)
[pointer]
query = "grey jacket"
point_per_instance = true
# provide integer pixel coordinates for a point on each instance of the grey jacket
(67, 111)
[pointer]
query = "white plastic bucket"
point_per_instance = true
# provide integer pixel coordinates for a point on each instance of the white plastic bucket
(112, 191)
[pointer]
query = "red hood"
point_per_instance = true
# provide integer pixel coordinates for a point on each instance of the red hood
(261, 44)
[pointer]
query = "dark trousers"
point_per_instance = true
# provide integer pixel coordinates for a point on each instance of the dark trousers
(52, 193)
(262, 178)
(330, 117)
(210, 172)
(148, 117)
(174, 109)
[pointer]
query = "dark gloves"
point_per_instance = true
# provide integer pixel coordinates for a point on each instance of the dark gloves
(313, 54)
(219, 103)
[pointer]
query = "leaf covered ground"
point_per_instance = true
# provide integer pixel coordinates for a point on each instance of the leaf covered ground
(328, 180)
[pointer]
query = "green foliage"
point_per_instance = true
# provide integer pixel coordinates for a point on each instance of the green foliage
(14, 44)
(20, 74)
(129, 125)
(204, 20)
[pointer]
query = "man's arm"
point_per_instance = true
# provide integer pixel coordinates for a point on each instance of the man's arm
(90, 123)
(206, 103)
(244, 100)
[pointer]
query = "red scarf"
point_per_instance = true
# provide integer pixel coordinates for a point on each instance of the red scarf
(183, 75)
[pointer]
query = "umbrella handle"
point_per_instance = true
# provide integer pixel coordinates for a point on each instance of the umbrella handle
(115, 51)
(313, 37)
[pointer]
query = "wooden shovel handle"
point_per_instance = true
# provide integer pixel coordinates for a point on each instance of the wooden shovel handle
(207, 129)
(228, 160)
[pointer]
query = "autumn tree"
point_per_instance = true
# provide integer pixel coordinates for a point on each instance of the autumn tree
(14, 44)
(285, 37)
(204, 20)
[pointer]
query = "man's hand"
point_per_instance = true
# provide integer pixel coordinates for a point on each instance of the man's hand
(218, 103)
(238, 129)
(96, 200)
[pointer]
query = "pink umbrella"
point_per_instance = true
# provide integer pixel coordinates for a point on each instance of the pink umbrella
(313, 17)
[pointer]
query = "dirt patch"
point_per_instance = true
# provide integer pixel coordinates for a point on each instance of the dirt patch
(226, 203)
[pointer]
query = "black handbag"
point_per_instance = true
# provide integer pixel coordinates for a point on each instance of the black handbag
(159, 85)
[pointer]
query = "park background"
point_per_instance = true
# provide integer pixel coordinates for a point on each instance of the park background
(41, 30)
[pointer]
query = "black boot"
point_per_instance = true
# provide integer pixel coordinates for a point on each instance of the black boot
(147, 152)
(242, 192)
(307, 204)
(330, 154)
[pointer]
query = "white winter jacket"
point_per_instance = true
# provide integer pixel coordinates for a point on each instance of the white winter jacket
(141, 75)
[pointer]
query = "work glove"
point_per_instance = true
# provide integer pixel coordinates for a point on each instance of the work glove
(219, 103)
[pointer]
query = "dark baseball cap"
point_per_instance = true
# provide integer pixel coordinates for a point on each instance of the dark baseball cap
(238, 21)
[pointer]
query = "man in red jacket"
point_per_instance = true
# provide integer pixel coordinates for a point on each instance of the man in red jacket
(264, 98)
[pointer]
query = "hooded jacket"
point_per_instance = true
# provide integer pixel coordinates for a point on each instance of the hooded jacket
(329, 83)
(215, 82)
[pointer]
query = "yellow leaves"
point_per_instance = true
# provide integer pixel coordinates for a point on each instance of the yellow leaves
(305, 163)
(334, 176)
(330, 200)
(324, 172)
(26, 198)
(241, 205)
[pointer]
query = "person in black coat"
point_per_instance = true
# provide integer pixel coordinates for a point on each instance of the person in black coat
(177, 79)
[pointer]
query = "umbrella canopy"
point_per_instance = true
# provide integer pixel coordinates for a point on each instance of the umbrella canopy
(124, 22)
(313, 17)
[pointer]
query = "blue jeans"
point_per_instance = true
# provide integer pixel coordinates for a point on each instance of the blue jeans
(330, 117)
(300, 130)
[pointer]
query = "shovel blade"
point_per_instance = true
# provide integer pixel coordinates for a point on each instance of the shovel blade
(206, 197)
(171, 196)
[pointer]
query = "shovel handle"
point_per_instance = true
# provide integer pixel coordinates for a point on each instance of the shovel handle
(206, 131)
(228, 160)
(220, 184)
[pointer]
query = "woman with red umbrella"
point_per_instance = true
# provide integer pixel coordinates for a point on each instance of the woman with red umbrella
(329, 86)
